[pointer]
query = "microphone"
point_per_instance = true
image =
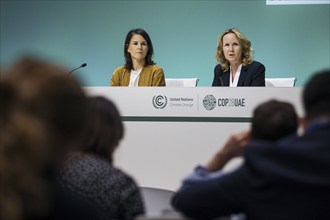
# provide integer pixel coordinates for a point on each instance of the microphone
(81, 66)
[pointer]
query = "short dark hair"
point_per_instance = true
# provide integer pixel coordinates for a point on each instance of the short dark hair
(149, 56)
(316, 95)
(273, 120)
(104, 127)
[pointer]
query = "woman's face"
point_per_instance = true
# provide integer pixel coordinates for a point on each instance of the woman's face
(138, 47)
(232, 49)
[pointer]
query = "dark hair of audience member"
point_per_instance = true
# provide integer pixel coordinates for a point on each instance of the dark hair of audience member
(57, 99)
(24, 193)
(104, 128)
(316, 95)
(274, 120)
(42, 102)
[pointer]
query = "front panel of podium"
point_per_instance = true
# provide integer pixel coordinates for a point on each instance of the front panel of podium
(168, 131)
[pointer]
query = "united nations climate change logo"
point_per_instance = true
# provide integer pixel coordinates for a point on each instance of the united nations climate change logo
(209, 102)
(159, 101)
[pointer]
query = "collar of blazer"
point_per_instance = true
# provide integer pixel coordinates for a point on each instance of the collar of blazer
(226, 76)
(242, 75)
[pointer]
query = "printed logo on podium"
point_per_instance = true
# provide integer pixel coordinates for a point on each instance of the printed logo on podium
(159, 101)
(209, 102)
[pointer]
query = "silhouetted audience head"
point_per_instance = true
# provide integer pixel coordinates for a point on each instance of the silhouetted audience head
(104, 128)
(23, 155)
(316, 96)
(42, 114)
(274, 120)
(46, 91)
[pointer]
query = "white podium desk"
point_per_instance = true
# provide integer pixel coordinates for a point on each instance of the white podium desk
(168, 131)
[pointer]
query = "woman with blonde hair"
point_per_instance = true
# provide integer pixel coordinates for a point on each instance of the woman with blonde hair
(236, 66)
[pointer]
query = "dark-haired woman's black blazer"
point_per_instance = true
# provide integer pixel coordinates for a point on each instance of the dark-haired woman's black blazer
(251, 75)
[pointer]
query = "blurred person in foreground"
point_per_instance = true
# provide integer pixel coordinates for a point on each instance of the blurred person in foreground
(89, 171)
(274, 120)
(236, 65)
(139, 68)
(52, 109)
(23, 192)
(285, 179)
(271, 121)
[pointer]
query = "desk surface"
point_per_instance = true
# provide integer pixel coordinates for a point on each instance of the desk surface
(168, 131)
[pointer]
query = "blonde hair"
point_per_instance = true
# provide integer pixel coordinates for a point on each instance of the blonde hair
(244, 43)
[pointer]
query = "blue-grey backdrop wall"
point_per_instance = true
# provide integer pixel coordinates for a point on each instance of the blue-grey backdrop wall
(291, 40)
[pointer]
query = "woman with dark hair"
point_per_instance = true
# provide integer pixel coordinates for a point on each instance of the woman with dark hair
(139, 69)
(236, 65)
(89, 172)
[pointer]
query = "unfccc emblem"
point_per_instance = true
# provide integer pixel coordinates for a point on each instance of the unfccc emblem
(159, 101)
(209, 102)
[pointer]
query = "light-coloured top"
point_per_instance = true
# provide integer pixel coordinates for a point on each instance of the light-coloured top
(151, 75)
(233, 83)
(135, 76)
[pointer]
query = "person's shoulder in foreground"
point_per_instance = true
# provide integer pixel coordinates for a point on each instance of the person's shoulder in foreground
(290, 176)
(89, 171)
(110, 190)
